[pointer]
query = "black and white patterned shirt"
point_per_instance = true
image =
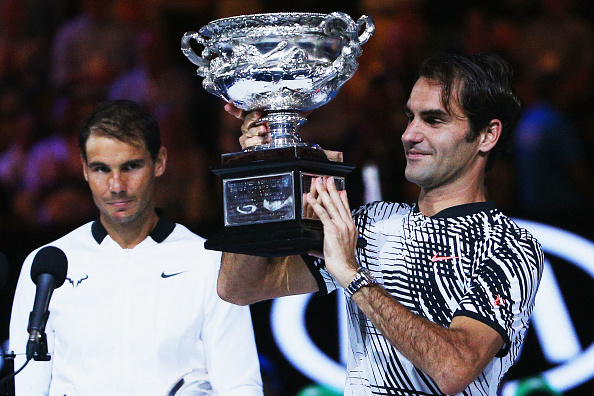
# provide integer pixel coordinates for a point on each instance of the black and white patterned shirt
(469, 260)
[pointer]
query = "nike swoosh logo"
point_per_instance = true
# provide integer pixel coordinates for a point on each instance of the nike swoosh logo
(164, 275)
(436, 258)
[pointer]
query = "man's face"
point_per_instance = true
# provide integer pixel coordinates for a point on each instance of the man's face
(435, 141)
(122, 178)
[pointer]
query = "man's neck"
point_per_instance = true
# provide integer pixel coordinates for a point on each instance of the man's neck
(433, 201)
(130, 234)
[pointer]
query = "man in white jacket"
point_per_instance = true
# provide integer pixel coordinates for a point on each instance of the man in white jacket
(139, 309)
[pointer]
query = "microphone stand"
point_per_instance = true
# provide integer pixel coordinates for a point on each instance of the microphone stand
(36, 349)
(9, 364)
(37, 346)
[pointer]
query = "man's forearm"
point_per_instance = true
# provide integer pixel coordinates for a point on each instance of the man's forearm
(447, 355)
(240, 277)
(248, 279)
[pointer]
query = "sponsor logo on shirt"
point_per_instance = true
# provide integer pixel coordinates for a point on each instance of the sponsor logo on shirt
(164, 275)
(76, 280)
(437, 257)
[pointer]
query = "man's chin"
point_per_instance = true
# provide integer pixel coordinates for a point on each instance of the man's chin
(411, 176)
(120, 218)
(416, 178)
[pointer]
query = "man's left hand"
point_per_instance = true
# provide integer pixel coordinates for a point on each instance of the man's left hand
(340, 233)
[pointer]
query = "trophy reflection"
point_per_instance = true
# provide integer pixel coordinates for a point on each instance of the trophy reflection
(283, 64)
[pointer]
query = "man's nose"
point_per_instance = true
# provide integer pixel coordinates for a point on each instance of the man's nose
(412, 133)
(117, 183)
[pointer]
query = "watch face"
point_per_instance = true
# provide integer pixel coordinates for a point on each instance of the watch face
(363, 278)
(366, 274)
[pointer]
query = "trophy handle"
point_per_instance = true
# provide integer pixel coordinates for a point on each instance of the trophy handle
(189, 52)
(345, 64)
(352, 29)
(369, 28)
(351, 26)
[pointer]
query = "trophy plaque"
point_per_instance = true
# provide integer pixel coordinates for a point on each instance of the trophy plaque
(282, 64)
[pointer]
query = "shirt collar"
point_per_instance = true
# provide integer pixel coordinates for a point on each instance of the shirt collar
(462, 210)
(161, 231)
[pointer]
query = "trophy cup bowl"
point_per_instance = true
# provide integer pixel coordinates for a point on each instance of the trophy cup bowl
(282, 64)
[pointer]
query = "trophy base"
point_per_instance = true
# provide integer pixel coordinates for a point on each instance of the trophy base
(265, 212)
(251, 154)
(278, 239)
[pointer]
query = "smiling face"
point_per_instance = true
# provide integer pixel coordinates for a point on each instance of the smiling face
(437, 146)
(122, 176)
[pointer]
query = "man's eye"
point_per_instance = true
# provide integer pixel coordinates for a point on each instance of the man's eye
(100, 169)
(132, 166)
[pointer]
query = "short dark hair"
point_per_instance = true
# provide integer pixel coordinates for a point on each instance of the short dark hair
(482, 85)
(124, 120)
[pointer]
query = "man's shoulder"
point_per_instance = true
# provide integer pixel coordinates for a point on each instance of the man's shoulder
(80, 234)
(510, 225)
(75, 239)
(513, 240)
(182, 238)
(183, 233)
(381, 210)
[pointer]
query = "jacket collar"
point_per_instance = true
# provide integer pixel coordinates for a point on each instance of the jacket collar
(161, 231)
(462, 210)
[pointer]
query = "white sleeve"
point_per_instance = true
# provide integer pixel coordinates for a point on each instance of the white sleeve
(35, 378)
(230, 348)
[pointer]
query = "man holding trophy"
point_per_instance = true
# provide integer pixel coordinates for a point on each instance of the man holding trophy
(440, 292)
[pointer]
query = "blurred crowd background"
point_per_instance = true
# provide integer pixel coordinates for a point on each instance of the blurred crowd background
(60, 58)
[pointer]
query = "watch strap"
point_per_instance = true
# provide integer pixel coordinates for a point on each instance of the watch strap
(363, 278)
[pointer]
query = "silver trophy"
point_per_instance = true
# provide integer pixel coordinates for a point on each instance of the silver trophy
(283, 64)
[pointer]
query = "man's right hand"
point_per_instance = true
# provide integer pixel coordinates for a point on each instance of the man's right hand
(251, 134)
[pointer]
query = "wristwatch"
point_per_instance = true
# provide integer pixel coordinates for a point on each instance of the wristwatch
(363, 278)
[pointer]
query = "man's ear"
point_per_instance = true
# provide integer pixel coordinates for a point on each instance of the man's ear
(161, 162)
(85, 169)
(490, 135)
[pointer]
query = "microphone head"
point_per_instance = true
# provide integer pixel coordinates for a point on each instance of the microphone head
(3, 270)
(50, 260)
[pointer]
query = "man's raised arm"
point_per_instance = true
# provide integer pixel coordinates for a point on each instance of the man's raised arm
(246, 280)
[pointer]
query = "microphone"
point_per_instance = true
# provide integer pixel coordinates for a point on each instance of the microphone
(48, 272)
(3, 270)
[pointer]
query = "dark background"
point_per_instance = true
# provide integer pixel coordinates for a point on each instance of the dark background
(364, 121)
